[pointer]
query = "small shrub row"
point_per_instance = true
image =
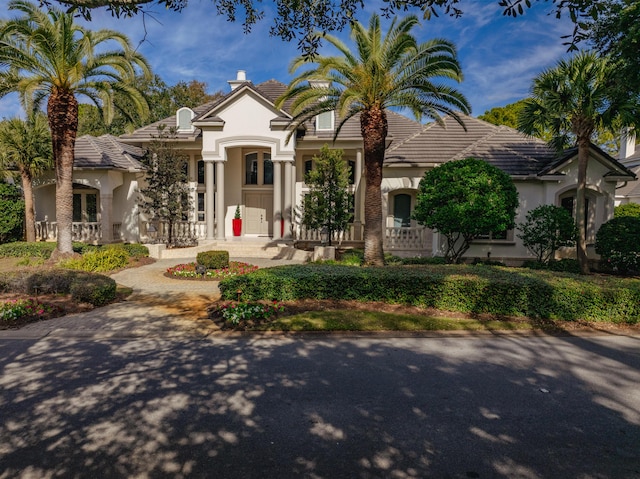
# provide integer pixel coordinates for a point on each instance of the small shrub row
(213, 259)
(22, 249)
(83, 286)
(235, 313)
(464, 288)
(99, 260)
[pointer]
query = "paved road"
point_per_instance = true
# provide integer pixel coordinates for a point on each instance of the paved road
(313, 407)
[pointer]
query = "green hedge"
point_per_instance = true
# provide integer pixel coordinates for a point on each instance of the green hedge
(465, 288)
(83, 286)
(213, 259)
(22, 249)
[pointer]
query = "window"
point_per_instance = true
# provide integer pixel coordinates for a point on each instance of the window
(496, 236)
(201, 172)
(258, 168)
(308, 167)
(251, 165)
(267, 165)
(568, 202)
(352, 172)
(324, 121)
(183, 119)
(402, 210)
(85, 207)
(201, 208)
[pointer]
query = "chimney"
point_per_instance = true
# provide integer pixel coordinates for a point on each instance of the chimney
(241, 77)
(627, 143)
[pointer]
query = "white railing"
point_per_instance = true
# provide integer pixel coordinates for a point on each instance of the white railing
(83, 232)
(406, 239)
(349, 234)
(182, 232)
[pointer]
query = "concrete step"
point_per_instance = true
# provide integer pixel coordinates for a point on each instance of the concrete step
(254, 248)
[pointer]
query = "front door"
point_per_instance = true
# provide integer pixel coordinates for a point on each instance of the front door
(258, 213)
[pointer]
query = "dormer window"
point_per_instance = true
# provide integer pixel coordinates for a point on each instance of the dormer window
(183, 119)
(324, 121)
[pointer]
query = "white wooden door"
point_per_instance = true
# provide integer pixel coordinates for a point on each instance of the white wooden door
(258, 213)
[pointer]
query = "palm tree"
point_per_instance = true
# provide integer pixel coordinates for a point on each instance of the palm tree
(26, 145)
(574, 100)
(382, 73)
(45, 55)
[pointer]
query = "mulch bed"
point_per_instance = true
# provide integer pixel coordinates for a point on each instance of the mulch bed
(60, 304)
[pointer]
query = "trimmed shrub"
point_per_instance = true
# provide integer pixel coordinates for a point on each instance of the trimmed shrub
(213, 259)
(22, 249)
(106, 259)
(628, 209)
(547, 228)
(424, 260)
(465, 288)
(617, 244)
(94, 289)
(134, 250)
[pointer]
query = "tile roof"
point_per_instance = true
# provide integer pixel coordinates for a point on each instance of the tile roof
(106, 151)
(501, 146)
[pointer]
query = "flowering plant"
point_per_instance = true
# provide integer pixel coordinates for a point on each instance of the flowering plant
(235, 312)
(15, 309)
(189, 270)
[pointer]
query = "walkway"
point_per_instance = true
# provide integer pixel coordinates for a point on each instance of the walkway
(159, 307)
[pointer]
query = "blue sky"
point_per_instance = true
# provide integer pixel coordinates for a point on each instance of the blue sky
(499, 55)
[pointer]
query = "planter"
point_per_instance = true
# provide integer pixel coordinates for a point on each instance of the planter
(237, 226)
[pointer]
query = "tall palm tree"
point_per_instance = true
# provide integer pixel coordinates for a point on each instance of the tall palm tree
(45, 55)
(26, 145)
(573, 100)
(381, 73)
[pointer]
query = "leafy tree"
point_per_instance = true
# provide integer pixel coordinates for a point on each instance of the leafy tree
(617, 243)
(508, 115)
(48, 56)
(327, 204)
(301, 19)
(504, 115)
(547, 229)
(574, 97)
(166, 197)
(382, 72)
(163, 101)
(465, 199)
(26, 145)
(629, 209)
(11, 213)
(616, 33)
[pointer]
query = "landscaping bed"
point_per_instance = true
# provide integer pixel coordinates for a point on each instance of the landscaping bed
(50, 306)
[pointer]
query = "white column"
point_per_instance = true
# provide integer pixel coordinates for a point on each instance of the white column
(193, 186)
(357, 213)
(209, 192)
(288, 198)
(106, 214)
(220, 206)
(277, 199)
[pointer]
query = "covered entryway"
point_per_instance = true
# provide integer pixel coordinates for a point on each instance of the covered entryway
(258, 213)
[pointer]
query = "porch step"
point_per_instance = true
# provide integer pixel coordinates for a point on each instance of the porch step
(252, 248)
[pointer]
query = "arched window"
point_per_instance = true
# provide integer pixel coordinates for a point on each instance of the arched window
(402, 210)
(183, 119)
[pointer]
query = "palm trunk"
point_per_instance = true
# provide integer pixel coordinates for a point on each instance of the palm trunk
(373, 123)
(62, 113)
(29, 211)
(583, 160)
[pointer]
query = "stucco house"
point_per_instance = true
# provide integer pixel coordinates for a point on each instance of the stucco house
(239, 156)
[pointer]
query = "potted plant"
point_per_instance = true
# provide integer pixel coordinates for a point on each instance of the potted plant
(236, 222)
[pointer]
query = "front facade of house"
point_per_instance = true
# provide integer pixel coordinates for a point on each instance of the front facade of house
(240, 155)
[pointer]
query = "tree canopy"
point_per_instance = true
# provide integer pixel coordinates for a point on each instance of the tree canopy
(301, 19)
(465, 199)
(380, 72)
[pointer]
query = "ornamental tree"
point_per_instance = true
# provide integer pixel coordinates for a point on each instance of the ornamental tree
(327, 204)
(166, 197)
(464, 199)
(547, 228)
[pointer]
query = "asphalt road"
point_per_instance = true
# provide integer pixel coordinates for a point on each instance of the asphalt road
(321, 407)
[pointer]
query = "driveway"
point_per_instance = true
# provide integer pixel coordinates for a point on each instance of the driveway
(303, 407)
